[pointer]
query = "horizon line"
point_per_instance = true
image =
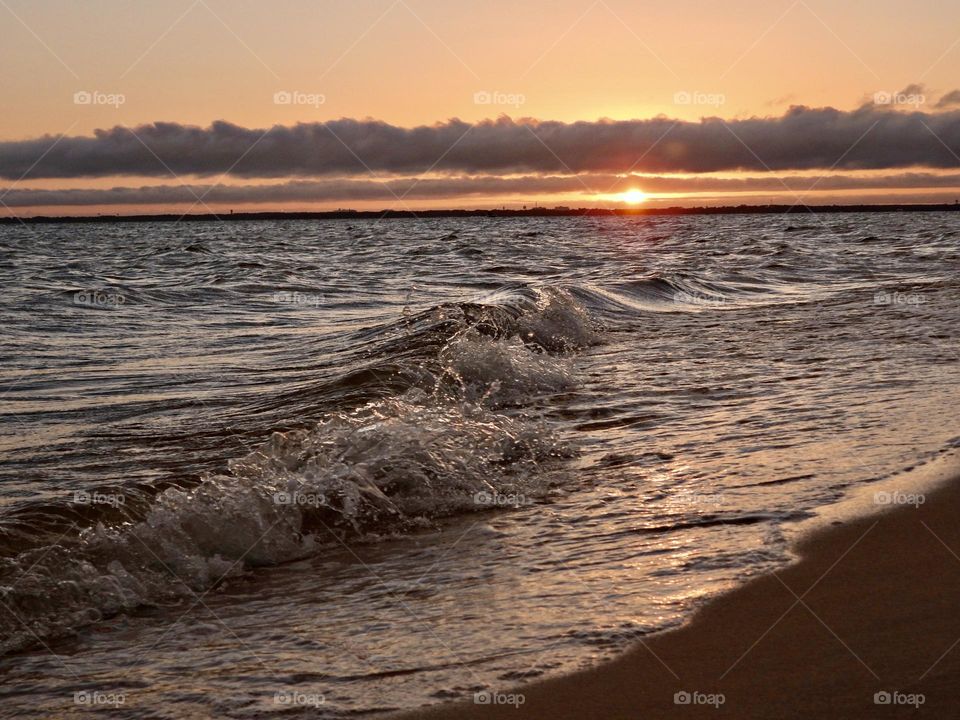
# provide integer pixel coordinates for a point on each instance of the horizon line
(556, 211)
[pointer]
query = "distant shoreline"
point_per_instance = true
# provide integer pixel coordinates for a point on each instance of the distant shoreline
(502, 213)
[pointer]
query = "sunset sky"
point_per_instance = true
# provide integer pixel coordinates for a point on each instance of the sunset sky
(125, 106)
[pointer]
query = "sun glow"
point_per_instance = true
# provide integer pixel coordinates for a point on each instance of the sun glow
(633, 196)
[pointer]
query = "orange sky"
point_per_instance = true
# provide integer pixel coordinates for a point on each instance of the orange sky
(419, 62)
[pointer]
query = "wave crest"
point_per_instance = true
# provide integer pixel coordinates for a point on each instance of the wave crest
(394, 464)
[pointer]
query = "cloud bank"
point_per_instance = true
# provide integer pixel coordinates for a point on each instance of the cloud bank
(870, 137)
(529, 186)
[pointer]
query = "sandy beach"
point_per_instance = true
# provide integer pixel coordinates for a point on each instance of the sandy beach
(864, 625)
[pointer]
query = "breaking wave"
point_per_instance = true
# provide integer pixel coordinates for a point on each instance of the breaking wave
(463, 429)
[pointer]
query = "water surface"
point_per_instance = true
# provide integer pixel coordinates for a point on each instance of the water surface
(251, 465)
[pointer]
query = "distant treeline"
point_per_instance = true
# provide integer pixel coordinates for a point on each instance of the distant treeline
(502, 213)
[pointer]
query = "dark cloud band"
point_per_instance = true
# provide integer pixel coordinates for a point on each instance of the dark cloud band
(867, 138)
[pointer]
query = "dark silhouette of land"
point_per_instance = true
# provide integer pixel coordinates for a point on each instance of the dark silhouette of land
(498, 213)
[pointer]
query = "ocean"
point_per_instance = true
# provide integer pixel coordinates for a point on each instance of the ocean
(347, 467)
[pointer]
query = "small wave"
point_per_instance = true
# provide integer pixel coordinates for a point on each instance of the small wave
(558, 322)
(453, 444)
(389, 467)
(505, 371)
(686, 293)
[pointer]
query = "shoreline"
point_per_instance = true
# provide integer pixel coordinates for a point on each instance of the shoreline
(537, 212)
(868, 606)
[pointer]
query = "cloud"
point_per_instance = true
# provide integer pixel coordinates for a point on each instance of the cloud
(446, 188)
(803, 138)
(951, 99)
(914, 89)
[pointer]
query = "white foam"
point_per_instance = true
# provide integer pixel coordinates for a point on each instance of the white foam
(558, 322)
(504, 371)
(393, 464)
(390, 465)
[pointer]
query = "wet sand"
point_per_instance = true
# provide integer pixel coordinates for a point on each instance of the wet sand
(872, 606)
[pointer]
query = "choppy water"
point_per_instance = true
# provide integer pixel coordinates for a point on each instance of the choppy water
(247, 465)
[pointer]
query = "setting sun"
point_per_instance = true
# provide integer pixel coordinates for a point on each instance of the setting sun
(634, 196)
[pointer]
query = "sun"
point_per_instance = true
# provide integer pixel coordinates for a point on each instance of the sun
(633, 196)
